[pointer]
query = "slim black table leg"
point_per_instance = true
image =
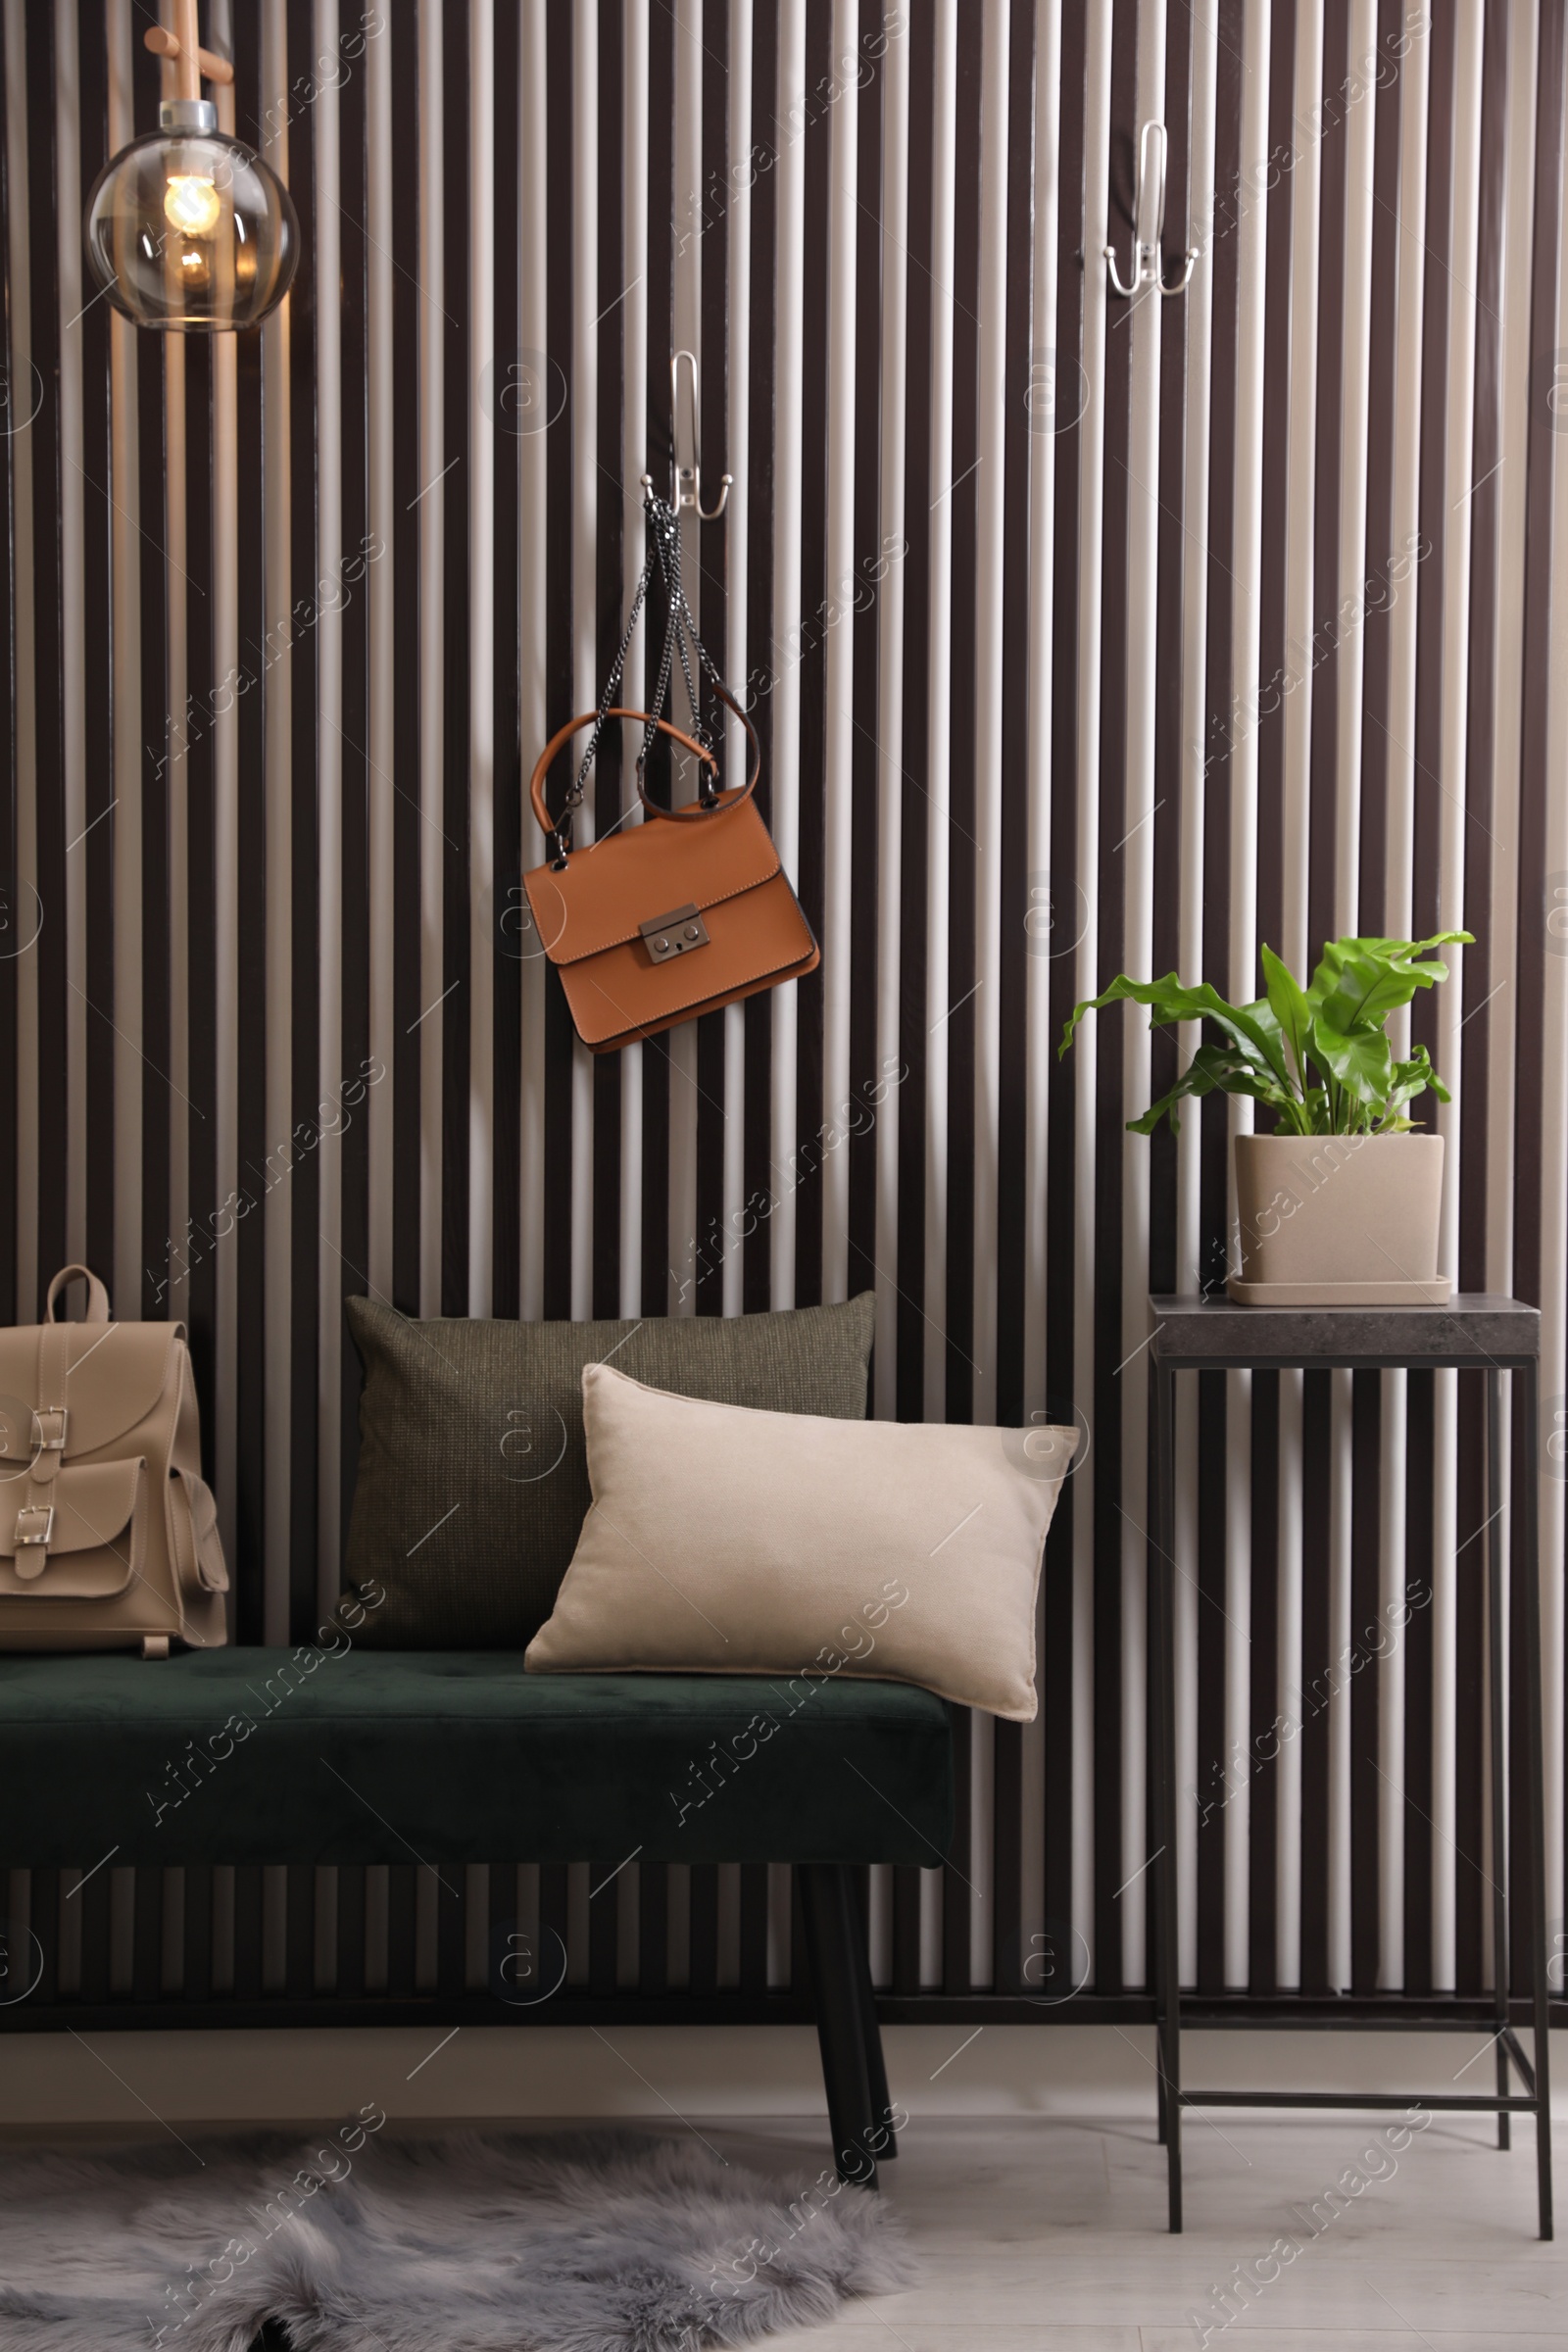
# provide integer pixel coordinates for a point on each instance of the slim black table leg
(1162, 1727)
(1527, 1403)
(1498, 1683)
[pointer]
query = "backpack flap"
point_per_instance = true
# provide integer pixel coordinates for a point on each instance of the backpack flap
(111, 1378)
(88, 1540)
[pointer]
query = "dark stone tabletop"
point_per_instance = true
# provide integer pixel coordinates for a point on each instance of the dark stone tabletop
(1474, 1328)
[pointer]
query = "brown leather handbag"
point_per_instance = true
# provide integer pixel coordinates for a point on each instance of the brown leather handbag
(689, 909)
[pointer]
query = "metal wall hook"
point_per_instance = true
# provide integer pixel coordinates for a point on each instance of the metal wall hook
(1149, 222)
(686, 482)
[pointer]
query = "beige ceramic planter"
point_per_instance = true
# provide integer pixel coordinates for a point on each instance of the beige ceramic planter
(1339, 1220)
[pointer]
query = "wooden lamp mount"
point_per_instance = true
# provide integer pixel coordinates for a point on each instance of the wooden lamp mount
(183, 51)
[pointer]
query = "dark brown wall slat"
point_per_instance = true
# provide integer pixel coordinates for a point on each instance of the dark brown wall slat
(455, 492)
(304, 1181)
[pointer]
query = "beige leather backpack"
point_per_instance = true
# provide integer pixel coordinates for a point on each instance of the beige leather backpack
(107, 1531)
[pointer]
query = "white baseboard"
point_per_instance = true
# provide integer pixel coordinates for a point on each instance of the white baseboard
(135, 2079)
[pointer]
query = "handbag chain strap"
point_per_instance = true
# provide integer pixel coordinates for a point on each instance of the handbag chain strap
(663, 549)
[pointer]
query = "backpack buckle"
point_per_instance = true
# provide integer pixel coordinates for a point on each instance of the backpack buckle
(35, 1524)
(51, 1426)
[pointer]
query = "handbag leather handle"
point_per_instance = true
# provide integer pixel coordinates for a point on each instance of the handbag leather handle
(97, 1296)
(693, 810)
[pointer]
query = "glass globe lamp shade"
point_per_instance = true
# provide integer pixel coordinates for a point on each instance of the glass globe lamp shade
(188, 229)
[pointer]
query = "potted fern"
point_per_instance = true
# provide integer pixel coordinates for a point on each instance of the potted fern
(1339, 1205)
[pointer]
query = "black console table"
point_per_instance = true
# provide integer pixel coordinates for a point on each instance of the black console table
(1476, 1333)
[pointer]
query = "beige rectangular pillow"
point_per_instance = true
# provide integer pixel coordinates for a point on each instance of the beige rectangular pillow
(726, 1541)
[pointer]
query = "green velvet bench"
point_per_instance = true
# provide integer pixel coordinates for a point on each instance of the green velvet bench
(346, 1756)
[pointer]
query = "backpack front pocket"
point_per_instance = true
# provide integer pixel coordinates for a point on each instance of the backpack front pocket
(82, 1538)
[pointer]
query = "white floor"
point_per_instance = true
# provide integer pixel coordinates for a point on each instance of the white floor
(1049, 2236)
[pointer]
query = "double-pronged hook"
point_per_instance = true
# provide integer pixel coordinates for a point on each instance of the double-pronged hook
(1149, 221)
(686, 482)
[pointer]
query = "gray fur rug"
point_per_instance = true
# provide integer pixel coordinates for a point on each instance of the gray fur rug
(477, 2243)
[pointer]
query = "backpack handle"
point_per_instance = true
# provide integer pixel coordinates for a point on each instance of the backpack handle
(97, 1296)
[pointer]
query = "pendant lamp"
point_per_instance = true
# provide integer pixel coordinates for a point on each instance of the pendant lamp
(186, 228)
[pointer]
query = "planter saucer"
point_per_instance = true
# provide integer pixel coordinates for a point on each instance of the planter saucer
(1340, 1294)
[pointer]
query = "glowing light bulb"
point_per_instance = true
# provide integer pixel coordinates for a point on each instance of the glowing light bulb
(187, 230)
(190, 204)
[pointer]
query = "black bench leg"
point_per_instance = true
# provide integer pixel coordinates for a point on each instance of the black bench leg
(870, 2027)
(835, 1950)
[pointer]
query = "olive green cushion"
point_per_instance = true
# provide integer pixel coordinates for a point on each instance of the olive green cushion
(472, 1482)
(331, 1756)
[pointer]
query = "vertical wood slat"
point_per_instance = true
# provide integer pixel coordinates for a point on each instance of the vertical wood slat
(489, 223)
(736, 334)
(763, 625)
(706, 149)
(358, 785)
(576, 301)
(633, 331)
(1058, 392)
(299, 1947)
(195, 767)
(703, 1964)
(431, 501)
(788, 263)
(508, 140)
(350, 1981)
(41, 1958)
(603, 1925)
(304, 902)
(954, 883)
(1395, 131)
(41, 1133)
(158, 748)
(460, 791)
(93, 1897)
(1541, 1135)
(1334, 826)
(196, 1963)
(452, 1922)
(94, 901)
(402, 1897)
(503, 1924)
(1505, 923)
(902, 1379)
(886, 733)
(553, 1916)
(14, 594)
(1187, 917)
(147, 1948)
(610, 591)
(249, 1501)
(404, 587)
(1447, 361)
(248, 1915)
(220, 1169)
(1020, 1800)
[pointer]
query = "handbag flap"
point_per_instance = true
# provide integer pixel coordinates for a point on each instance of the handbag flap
(115, 1376)
(94, 1506)
(608, 891)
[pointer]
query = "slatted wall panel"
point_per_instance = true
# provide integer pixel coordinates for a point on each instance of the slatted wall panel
(1078, 633)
